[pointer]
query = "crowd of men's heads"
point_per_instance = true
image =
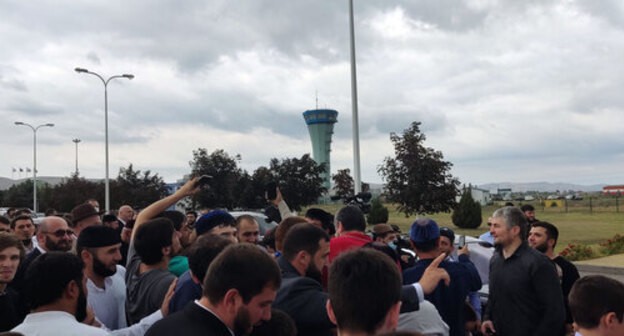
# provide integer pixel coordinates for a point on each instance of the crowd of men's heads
(364, 285)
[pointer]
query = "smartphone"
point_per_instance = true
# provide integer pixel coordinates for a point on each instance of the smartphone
(203, 181)
(271, 190)
(462, 241)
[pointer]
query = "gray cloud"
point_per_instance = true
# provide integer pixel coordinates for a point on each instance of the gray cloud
(514, 88)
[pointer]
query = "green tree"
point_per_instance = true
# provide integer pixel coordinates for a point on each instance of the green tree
(221, 191)
(418, 179)
(299, 180)
(136, 188)
(73, 191)
(467, 214)
(343, 182)
(254, 197)
(20, 195)
(378, 212)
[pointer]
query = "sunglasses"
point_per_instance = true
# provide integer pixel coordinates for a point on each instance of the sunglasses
(61, 233)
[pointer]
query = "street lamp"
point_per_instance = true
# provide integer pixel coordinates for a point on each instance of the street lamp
(76, 141)
(34, 129)
(105, 82)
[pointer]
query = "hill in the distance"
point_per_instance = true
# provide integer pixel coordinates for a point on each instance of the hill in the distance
(541, 187)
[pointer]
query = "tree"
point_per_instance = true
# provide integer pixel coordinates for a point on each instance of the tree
(221, 191)
(378, 213)
(417, 178)
(299, 180)
(136, 188)
(20, 195)
(73, 191)
(467, 214)
(343, 182)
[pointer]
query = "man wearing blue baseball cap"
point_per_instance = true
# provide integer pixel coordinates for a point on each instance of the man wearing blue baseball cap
(449, 300)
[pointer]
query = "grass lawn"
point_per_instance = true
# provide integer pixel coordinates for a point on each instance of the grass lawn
(578, 226)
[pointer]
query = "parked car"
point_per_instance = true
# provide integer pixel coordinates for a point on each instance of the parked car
(262, 219)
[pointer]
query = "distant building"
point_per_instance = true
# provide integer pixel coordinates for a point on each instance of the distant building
(479, 195)
(504, 194)
(482, 196)
(321, 127)
(613, 190)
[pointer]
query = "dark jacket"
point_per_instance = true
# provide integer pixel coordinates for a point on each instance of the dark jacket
(304, 300)
(449, 300)
(18, 280)
(192, 320)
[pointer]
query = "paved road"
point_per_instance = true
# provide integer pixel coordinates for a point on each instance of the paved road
(612, 272)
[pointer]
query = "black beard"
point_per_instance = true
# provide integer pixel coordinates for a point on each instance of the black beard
(61, 245)
(542, 247)
(100, 269)
(242, 322)
(81, 306)
(314, 273)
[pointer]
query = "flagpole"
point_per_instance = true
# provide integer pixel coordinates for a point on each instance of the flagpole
(354, 101)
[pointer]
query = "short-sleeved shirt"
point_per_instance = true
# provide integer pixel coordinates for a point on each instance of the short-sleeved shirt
(145, 292)
(109, 303)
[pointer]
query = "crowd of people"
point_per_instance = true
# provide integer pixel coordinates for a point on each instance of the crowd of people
(162, 272)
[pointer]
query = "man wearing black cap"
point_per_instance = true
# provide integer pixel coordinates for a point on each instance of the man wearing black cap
(449, 300)
(98, 247)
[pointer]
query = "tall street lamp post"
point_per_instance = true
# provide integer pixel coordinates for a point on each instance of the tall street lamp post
(34, 129)
(105, 82)
(76, 141)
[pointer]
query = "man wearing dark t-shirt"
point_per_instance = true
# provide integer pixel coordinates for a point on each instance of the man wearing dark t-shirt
(543, 237)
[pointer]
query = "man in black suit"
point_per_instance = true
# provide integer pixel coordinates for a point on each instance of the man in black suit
(54, 235)
(238, 291)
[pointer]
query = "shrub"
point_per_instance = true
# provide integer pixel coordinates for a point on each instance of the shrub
(378, 213)
(467, 214)
(614, 245)
(575, 252)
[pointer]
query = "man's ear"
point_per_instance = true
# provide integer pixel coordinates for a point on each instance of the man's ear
(232, 300)
(72, 290)
(339, 228)
(85, 256)
(552, 241)
(392, 318)
(195, 278)
(166, 251)
(609, 320)
(41, 237)
(330, 312)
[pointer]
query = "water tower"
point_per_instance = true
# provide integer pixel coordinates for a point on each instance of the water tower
(321, 127)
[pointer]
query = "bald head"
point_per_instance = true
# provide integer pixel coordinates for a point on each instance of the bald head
(54, 234)
(125, 213)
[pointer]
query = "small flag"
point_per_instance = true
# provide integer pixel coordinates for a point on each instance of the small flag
(21, 170)
(14, 170)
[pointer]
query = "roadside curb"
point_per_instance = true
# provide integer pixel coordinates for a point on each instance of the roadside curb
(595, 269)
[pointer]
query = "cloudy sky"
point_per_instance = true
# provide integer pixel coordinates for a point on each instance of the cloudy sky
(518, 91)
